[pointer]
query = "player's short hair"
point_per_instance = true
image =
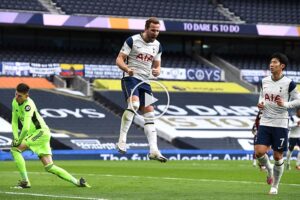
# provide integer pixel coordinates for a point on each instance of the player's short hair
(23, 88)
(283, 59)
(152, 20)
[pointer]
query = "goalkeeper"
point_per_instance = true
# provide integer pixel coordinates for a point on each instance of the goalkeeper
(34, 135)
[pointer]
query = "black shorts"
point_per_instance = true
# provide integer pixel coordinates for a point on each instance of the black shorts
(293, 142)
(273, 136)
(130, 83)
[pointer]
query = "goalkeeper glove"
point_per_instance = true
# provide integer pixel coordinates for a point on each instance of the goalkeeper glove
(16, 142)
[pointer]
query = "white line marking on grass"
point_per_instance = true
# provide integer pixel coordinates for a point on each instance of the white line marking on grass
(49, 195)
(187, 179)
(168, 178)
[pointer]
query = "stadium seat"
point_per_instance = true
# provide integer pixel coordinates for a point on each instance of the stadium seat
(144, 8)
(271, 11)
(30, 5)
(256, 62)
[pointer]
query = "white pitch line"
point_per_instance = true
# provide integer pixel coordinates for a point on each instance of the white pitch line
(168, 178)
(49, 195)
(186, 179)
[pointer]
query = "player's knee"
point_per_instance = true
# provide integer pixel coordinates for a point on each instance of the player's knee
(259, 154)
(134, 106)
(149, 117)
(277, 157)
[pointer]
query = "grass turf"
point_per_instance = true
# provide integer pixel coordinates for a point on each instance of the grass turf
(209, 180)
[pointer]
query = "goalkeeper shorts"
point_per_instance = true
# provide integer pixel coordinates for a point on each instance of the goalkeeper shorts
(39, 142)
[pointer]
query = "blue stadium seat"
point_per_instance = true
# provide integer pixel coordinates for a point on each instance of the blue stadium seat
(254, 61)
(271, 11)
(31, 5)
(145, 8)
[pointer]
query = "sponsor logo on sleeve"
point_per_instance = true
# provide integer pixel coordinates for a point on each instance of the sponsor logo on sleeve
(27, 108)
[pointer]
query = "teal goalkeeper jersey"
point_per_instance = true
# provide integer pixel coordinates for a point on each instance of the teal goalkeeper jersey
(29, 117)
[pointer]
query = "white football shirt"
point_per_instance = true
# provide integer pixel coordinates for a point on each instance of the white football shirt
(141, 55)
(274, 115)
(295, 129)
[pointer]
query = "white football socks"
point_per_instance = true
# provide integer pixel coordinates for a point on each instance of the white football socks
(288, 156)
(150, 131)
(127, 119)
(278, 171)
(298, 159)
(265, 161)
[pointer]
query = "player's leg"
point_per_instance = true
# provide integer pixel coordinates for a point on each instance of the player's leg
(41, 146)
(298, 155)
(298, 161)
(254, 160)
(277, 171)
(151, 134)
(279, 145)
(128, 85)
(292, 143)
(21, 166)
(126, 121)
(262, 145)
(261, 167)
(60, 172)
(263, 160)
(149, 126)
(254, 156)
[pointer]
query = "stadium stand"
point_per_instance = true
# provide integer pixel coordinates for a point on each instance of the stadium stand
(175, 9)
(172, 60)
(251, 11)
(271, 11)
(255, 61)
(180, 60)
(29, 5)
(247, 61)
(62, 56)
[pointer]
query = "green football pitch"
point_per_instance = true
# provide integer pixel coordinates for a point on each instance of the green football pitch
(207, 180)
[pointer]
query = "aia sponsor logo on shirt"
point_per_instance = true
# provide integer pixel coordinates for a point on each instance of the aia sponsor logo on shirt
(145, 58)
(271, 97)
